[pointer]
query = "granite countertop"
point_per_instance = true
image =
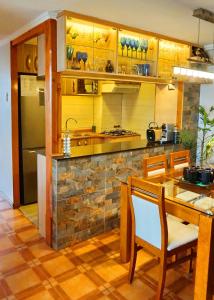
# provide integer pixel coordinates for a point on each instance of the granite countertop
(105, 148)
(99, 135)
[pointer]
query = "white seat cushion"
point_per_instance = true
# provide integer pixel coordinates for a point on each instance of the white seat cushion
(174, 218)
(179, 234)
(179, 166)
(193, 226)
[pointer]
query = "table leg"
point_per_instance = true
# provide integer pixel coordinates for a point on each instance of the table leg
(204, 279)
(125, 225)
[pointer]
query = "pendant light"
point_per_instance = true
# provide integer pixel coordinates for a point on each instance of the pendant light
(201, 58)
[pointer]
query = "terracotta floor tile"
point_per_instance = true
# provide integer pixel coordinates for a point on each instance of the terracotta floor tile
(18, 223)
(136, 291)
(2, 292)
(22, 280)
(88, 253)
(110, 270)
(41, 249)
(10, 213)
(43, 295)
(10, 261)
(4, 205)
(29, 269)
(5, 243)
(58, 265)
(29, 235)
(110, 239)
(78, 286)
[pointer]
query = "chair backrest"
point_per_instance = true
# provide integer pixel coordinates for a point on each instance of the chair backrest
(147, 204)
(179, 159)
(154, 165)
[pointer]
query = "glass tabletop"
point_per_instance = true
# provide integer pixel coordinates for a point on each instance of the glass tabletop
(196, 197)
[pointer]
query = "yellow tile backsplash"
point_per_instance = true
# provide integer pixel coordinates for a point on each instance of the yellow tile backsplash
(131, 111)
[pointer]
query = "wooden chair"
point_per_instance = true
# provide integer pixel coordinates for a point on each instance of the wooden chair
(179, 159)
(154, 165)
(153, 230)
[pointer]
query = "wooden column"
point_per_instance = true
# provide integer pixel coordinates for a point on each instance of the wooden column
(50, 116)
(205, 260)
(180, 105)
(15, 127)
(125, 225)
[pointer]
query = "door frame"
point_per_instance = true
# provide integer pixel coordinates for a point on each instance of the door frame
(48, 28)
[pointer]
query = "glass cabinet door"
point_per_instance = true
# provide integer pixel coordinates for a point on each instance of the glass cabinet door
(137, 54)
(90, 47)
(171, 54)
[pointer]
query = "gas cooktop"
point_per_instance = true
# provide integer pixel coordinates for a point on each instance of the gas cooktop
(119, 132)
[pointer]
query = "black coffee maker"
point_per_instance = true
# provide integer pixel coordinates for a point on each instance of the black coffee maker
(198, 175)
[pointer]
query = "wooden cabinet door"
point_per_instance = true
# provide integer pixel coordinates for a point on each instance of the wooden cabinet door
(27, 58)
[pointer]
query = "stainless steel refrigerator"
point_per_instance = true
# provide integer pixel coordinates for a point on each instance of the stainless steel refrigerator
(32, 133)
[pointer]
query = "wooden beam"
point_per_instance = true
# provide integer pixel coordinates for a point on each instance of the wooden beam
(204, 14)
(34, 32)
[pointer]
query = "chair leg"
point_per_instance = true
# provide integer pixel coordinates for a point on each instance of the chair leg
(162, 278)
(190, 262)
(132, 261)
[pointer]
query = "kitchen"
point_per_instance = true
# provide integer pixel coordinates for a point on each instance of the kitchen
(86, 181)
(119, 108)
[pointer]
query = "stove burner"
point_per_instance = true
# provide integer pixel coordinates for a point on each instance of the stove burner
(119, 132)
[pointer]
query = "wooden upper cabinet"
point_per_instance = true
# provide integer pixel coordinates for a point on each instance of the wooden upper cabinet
(85, 46)
(27, 58)
(172, 54)
(91, 47)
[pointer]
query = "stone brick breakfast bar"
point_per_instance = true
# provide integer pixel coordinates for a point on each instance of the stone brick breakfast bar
(86, 187)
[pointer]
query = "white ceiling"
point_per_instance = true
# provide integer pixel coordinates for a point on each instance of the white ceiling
(169, 17)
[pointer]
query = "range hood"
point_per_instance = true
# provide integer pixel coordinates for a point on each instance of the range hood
(120, 87)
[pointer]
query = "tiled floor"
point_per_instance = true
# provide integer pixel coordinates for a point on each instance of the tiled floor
(29, 269)
(30, 211)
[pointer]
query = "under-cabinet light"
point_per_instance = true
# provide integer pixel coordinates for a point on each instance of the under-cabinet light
(192, 73)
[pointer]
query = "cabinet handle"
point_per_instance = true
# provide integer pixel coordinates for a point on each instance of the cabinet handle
(85, 142)
(28, 62)
(36, 63)
(79, 143)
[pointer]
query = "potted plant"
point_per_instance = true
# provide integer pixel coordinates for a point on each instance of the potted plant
(189, 141)
(206, 126)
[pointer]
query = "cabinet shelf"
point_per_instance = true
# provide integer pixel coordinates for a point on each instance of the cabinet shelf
(113, 76)
(91, 47)
(137, 59)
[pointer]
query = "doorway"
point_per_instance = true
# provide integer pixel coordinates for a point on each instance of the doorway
(48, 28)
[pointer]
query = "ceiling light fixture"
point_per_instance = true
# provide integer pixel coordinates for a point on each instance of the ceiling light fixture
(193, 73)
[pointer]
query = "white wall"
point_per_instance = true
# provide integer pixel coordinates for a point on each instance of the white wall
(5, 124)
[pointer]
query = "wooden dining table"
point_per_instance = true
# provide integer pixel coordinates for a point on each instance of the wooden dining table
(197, 211)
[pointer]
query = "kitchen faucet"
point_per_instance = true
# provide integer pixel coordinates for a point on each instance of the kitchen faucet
(66, 123)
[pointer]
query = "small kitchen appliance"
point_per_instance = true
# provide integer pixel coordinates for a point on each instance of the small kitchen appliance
(167, 133)
(154, 132)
